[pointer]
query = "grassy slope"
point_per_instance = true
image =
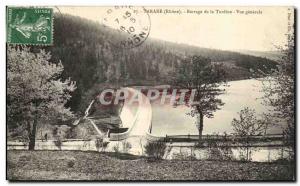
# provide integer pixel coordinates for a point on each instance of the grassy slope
(55, 165)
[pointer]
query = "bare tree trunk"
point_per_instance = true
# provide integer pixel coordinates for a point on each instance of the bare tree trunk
(32, 134)
(247, 153)
(200, 129)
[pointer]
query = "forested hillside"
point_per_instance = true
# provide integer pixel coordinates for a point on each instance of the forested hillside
(273, 55)
(91, 60)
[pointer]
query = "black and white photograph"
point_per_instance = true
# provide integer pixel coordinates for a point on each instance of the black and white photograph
(150, 93)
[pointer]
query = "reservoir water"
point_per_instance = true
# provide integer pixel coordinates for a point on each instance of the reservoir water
(169, 120)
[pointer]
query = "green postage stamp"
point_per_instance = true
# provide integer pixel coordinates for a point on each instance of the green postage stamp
(29, 25)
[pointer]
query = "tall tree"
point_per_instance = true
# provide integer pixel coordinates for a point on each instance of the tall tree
(35, 92)
(279, 92)
(206, 78)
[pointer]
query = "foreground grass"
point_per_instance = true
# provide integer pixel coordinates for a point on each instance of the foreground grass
(76, 165)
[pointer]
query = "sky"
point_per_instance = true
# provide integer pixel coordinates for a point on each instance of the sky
(225, 28)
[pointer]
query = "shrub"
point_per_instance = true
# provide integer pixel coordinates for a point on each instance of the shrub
(227, 153)
(214, 154)
(100, 144)
(116, 148)
(70, 133)
(155, 149)
(218, 150)
(58, 142)
(57, 138)
(245, 154)
(126, 146)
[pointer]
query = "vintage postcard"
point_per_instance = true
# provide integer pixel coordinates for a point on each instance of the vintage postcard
(162, 93)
